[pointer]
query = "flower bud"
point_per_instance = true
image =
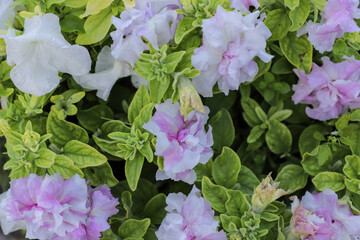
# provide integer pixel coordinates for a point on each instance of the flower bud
(265, 193)
(189, 98)
(31, 140)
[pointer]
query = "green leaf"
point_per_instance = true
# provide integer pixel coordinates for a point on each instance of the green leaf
(278, 137)
(282, 66)
(83, 155)
(92, 118)
(298, 51)
(215, 194)
(353, 185)
(236, 204)
(158, 88)
(331, 180)
(262, 66)
(100, 175)
(155, 208)
(108, 146)
(204, 170)
(307, 141)
(343, 121)
(75, 3)
(355, 115)
(281, 115)
(45, 159)
(351, 137)
(133, 170)
(62, 131)
(324, 155)
(226, 220)
(5, 92)
(269, 217)
(114, 126)
(144, 116)
(319, 4)
(96, 27)
(133, 228)
(255, 133)
(352, 166)
(260, 114)
(310, 161)
(292, 177)
(71, 23)
(249, 113)
(299, 14)
(51, 2)
(222, 129)
(185, 26)
(171, 61)
(93, 7)
(140, 100)
(126, 200)
(248, 180)
(20, 172)
(278, 23)
(340, 47)
(292, 3)
(65, 167)
(226, 168)
(147, 151)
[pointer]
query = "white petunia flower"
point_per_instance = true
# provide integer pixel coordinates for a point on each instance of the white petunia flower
(107, 72)
(6, 13)
(40, 53)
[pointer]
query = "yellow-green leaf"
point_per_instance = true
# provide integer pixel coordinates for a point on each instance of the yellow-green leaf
(93, 7)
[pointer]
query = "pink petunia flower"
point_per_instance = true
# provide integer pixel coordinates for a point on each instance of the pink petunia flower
(182, 143)
(189, 217)
(156, 20)
(338, 18)
(321, 216)
(54, 208)
(244, 5)
(230, 42)
(332, 88)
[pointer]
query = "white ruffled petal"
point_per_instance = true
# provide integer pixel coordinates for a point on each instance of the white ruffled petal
(33, 75)
(107, 72)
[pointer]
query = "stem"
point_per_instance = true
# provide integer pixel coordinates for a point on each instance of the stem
(3, 102)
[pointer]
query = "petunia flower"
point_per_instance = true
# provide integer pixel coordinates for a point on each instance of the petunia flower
(6, 13)
(230, 42)
(40, 53)
(156, 20)
(337, 19)
(244, 5)
(331, 89)
(54, 208)
(107, 72)
(321, 216)
(182, 143)
(189, 217)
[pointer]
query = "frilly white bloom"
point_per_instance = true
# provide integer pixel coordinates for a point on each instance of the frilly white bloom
(156, 20)
(40, 53)
(6, 13)
(189, 218)
(230, 42)
(107, 72)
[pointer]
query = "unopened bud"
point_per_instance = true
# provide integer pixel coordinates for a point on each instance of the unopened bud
(189, 98)
(265, 193)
